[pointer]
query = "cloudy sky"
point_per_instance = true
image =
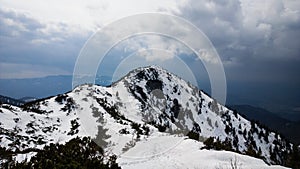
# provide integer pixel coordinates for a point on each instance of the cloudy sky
(258, 41)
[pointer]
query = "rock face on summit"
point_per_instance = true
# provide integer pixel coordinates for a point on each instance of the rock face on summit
(147, 103)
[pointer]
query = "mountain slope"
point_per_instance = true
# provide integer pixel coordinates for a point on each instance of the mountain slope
(147, 105)
(259, 114)
(188, 109)
(287, 128)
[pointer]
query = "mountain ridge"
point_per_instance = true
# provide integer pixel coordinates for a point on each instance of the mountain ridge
(147, 103)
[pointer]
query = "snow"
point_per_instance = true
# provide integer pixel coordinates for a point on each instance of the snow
(185, 155)
(131, 106)
(153, 147)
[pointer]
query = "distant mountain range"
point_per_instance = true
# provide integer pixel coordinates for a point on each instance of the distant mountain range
(11, 101)
(273, 121)
(150, 119)
(42, 87)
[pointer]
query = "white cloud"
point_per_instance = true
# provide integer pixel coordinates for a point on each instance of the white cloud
(269, 11)
(41, 41)
(86, 15)
(152, 54)
(206, 56)
(12, 23)
(150, 46)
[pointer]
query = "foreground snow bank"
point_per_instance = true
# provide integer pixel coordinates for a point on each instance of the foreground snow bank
(184, 154)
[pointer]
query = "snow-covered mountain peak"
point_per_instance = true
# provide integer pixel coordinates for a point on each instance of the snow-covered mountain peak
(152, 72)
(148, 107)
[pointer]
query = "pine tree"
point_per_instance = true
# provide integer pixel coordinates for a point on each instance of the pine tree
(75, 154)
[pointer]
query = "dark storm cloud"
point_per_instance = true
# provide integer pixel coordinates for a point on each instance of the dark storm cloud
(238, 30)
(259, 43)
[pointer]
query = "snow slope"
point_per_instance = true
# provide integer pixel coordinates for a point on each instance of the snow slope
(187, 154)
